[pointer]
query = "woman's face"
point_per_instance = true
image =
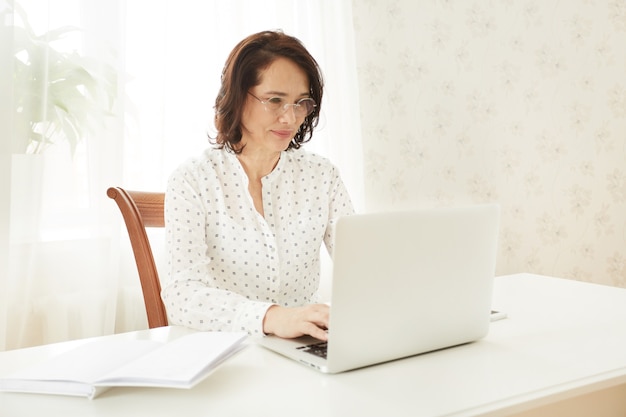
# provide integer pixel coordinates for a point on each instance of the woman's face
(265, 130)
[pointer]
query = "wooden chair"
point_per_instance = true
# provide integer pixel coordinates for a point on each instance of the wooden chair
(142, 209)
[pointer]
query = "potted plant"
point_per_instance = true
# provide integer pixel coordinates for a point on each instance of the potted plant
(59, 97)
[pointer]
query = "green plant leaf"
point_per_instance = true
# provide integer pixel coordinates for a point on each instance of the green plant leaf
(59, 96)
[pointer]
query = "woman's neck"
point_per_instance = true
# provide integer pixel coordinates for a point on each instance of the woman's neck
(257, 165)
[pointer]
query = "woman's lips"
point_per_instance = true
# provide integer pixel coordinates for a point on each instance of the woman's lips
(283, 134)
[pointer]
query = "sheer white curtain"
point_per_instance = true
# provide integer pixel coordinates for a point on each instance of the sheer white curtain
(66, 266)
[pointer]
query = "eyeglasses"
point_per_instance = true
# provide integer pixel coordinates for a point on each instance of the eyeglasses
(277, 105)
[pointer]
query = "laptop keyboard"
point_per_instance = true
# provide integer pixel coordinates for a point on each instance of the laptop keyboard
(317, 349)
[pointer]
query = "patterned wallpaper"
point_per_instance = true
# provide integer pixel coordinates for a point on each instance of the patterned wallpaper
(522, 102)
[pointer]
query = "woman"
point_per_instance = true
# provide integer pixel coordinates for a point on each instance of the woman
(245, 221)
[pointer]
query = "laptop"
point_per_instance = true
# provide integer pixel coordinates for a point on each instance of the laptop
(404, 283)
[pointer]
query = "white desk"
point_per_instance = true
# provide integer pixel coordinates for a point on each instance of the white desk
(563, 347)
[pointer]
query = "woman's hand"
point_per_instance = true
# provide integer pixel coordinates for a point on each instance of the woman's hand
(290, 322)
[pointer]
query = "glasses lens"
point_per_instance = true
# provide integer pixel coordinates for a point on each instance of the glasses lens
(305, 106)
(274, 104)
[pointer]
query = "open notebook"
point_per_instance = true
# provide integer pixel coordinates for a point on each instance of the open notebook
(404, 283)
(94, 367)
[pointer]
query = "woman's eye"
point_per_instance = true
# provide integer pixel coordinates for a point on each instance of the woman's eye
(275, 100)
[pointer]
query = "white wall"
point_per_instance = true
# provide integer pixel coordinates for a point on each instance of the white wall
(522, 102)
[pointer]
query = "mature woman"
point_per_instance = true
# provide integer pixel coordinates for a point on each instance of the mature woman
(246, 220)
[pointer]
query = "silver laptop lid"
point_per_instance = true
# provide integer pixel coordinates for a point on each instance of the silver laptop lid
(410, 282)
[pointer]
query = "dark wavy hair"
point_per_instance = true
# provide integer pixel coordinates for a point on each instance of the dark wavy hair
(242, 72)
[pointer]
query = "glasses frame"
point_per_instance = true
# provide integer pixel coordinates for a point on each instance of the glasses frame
(282, 110)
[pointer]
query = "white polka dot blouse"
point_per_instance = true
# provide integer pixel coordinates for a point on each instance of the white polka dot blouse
(227, 264)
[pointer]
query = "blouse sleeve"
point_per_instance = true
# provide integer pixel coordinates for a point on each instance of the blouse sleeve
(190, 295)
(340, 205)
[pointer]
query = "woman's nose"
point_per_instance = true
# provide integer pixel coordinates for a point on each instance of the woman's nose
(289, 113)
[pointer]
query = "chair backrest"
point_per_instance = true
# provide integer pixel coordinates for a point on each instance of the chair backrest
(141, 209)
